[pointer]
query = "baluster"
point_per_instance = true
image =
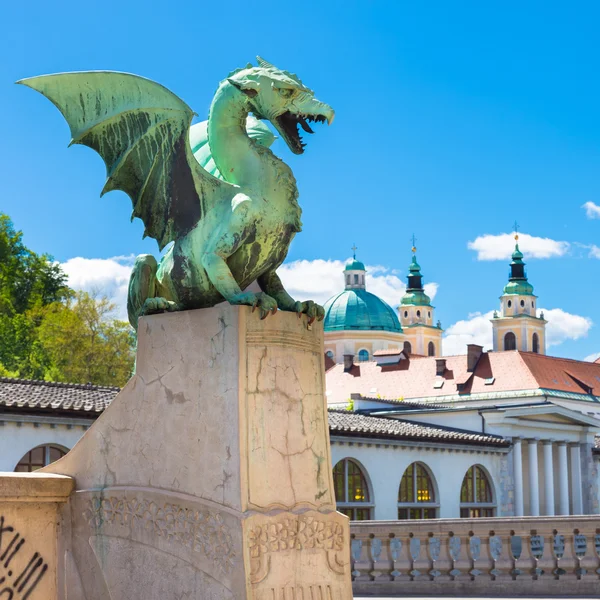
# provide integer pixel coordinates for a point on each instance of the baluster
(567, 564)
(415, 553)
(433, 550)
(355, 552)
(395, 547)
(585, 556)
(503, 558)
(362, 560)
(474, 551)
(536, 546)
(379, 568)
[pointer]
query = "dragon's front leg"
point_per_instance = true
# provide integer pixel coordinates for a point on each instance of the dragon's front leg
(223, 244)
(271, 284)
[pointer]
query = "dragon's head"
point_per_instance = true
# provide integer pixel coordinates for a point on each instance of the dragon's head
(281, 98)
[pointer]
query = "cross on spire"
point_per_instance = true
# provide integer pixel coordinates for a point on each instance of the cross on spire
(516, 230)
(354, 249)
(414, 243)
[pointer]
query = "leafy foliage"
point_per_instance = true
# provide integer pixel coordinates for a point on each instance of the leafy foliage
(48, 331)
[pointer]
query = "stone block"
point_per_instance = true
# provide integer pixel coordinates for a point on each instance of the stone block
(28, 534)
(209, 476)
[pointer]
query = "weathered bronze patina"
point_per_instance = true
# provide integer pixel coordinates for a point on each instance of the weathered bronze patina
(232, 222)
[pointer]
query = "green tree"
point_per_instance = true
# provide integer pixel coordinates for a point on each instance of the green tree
(82, 342)
(47, 331)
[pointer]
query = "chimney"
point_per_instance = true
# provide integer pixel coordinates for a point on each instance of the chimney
(348, 362)
(440, 366)
(474, 352)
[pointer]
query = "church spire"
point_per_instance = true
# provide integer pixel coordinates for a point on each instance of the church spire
(354, 272)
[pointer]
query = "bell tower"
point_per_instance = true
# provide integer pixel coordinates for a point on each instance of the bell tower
(416, 314)
(517, 327)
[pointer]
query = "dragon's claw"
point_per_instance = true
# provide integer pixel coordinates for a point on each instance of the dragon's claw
(157, 305)
(314, 311)
(259, 300)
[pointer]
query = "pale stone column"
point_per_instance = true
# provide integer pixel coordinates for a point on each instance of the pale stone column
(518, 476)
(534, 492)
(563, 479)
(576, 479)
(548, 479)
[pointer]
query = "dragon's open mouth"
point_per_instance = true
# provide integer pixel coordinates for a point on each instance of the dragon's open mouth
(289, 126)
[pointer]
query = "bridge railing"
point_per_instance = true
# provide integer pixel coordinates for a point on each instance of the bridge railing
(514, 556)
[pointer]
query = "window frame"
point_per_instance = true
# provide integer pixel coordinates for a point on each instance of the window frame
(47, 448)
(350, 508)
(475, 505)
(416, 504)
(514, 337)
(363, 359)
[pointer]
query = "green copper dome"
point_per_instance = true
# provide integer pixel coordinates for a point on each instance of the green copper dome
(517, 281)
(416, 298)
(357, 309)
(355, 265)
(415, 294)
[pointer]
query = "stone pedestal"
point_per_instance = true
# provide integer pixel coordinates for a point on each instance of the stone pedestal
(209, 476)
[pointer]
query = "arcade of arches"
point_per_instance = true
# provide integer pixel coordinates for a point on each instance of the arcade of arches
(418, 497)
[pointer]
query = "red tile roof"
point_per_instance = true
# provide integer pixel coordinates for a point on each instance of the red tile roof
(416, 377)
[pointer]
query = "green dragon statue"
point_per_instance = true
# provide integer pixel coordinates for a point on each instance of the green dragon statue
(214, 189)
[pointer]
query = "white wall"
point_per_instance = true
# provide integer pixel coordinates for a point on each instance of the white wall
(16, 439)
(385, 464)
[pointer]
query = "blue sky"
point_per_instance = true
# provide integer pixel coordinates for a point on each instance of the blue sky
(452, 120)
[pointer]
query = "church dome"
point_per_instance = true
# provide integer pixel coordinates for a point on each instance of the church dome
(357, 309)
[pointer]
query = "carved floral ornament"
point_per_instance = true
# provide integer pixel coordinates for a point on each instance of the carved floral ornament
(200, 530)
(296, 534)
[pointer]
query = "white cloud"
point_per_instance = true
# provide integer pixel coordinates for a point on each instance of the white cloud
(476, 329)
(594, 251)
(500, 247)
(592, 211)
(319, 279)
(316, 280)
(564, 326)
(592, 357)
(107, 276)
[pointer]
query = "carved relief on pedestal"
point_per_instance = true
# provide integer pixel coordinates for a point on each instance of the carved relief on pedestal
(312, 545)
(199, 530)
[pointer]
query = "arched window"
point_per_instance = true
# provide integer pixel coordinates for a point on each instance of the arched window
(416, 496)
(363, 355)
(418, 313)
(535, 343)
(407, 347)
(509, 304)
(476, 496)
(431, 349)
(39, 457)
(522, 303)
(351, 490)
(510, 341)
(405, 314)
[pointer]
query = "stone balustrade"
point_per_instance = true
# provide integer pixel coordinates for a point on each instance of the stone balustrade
(514, 556)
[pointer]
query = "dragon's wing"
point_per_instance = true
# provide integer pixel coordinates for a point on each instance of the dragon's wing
(141, 130)
(255, 129)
